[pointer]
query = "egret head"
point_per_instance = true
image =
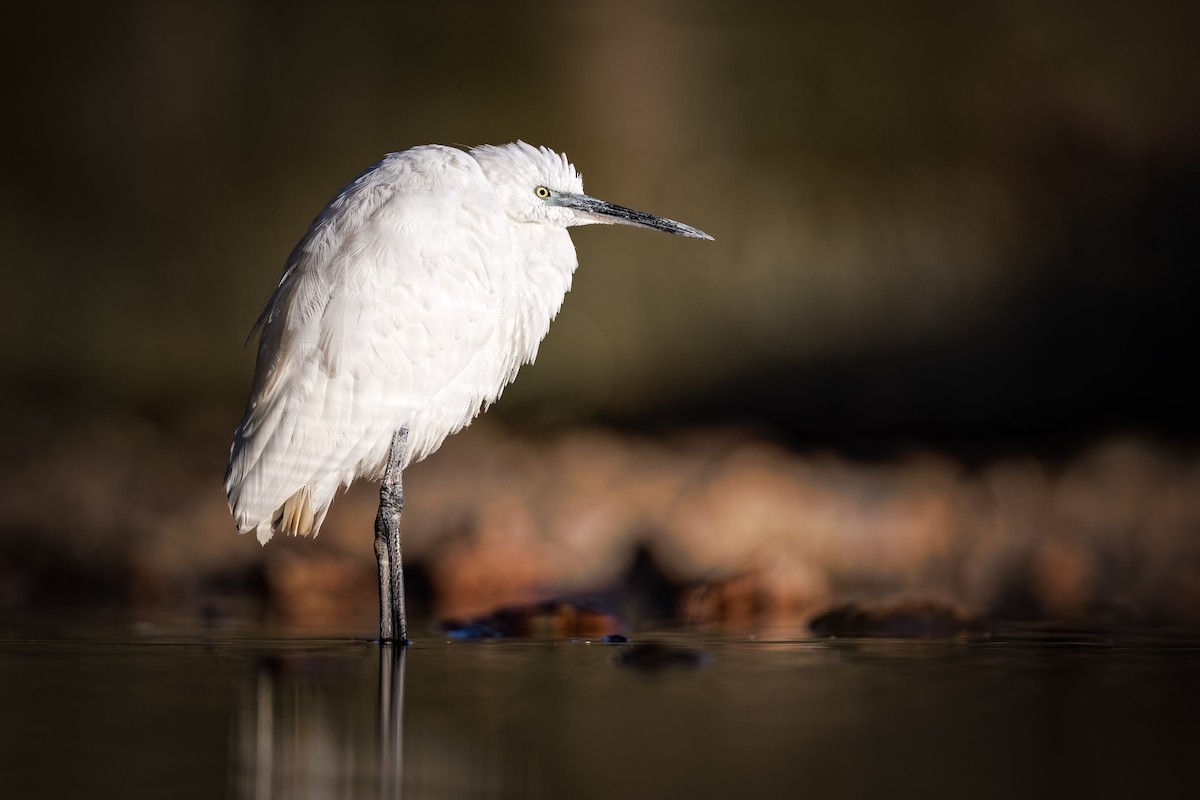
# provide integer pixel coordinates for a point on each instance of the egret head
(539, 185)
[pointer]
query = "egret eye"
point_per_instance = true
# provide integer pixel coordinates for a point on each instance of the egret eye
(542, 192)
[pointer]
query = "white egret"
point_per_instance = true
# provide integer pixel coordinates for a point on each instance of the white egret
(409, 304)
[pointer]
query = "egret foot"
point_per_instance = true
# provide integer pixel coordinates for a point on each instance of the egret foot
(393, 626)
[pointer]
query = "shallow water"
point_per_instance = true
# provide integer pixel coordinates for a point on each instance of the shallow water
(150, 712)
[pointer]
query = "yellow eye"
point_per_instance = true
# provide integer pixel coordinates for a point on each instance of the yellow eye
(542, 192)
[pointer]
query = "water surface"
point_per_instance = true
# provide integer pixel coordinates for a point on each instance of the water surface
(147, 712)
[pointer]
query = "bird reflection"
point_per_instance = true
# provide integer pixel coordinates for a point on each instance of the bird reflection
(324, 719)
(303, 728)
(391, 718)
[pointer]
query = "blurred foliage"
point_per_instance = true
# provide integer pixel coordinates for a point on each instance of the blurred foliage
(939, 225)
(931, 214)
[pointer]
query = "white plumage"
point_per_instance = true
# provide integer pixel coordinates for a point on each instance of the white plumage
(411, 302)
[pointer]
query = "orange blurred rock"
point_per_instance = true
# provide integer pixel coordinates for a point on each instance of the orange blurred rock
(781, 594)
(897, 617)
(496, 563)
(1063, 579)
(740, 529)
(555, 619)
(322, 590)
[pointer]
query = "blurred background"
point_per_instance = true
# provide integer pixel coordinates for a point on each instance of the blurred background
(943, 348)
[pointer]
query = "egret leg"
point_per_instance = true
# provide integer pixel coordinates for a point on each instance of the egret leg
(393, 627)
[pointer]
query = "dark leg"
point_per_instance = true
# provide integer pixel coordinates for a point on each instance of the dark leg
(393, 627)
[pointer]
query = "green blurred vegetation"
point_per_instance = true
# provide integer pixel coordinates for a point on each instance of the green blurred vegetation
(958, 238)
(923, 211)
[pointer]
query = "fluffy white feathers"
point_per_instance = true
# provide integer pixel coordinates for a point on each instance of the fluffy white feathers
(411, 301)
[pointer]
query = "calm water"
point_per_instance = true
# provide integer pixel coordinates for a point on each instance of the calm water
(142, 712)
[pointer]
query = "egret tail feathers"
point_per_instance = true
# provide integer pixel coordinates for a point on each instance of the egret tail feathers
(300, 515)
(295, 516)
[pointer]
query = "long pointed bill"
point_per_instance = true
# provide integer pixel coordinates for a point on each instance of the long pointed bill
(608, 213)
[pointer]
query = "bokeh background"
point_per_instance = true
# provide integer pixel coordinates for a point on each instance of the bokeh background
(943, 347)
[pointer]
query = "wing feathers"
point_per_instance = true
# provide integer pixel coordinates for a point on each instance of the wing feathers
(387, 315)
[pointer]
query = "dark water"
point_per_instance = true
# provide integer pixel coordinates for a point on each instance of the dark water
(143, 712)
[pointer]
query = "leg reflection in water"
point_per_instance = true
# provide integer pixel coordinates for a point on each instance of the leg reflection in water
(391, 718)
(320, 722)
(321, 718)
